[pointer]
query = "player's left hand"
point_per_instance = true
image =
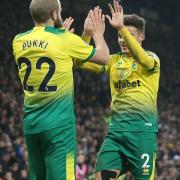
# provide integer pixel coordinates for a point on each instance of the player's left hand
(67, 24)
(117, 19)
(88, 27)
(98, 21)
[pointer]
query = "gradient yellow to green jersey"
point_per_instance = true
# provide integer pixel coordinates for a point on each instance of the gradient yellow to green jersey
(133, 90)
(44, 58)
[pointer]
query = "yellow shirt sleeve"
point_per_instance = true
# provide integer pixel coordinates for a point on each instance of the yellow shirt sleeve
(137, 52)
(95, 67)
(87, 39)
(78, 49)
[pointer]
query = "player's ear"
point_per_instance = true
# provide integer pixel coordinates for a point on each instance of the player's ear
(54, 15)
(141, 37)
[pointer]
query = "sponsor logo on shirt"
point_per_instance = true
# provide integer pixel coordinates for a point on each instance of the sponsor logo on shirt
(134, 66)
(126, 84)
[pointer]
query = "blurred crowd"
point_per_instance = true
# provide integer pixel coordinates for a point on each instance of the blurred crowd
(92, 104)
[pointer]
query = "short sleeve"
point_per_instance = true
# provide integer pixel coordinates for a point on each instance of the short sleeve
(78, 49)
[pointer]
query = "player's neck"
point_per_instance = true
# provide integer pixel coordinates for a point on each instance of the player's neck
(47, 23)
(128, 54)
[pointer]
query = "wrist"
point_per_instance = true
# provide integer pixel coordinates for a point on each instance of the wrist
(98, 35)
(120, 28)
(87, 34)
(86, 38)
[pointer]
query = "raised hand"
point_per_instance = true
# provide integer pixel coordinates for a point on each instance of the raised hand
(88, 26)
(67, 24)
(117, 19)
(98, 21)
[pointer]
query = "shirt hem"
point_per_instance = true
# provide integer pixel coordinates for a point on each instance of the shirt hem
(45, 129)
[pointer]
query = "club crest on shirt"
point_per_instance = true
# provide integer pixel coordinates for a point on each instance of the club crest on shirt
(121, 71)
(124, 74)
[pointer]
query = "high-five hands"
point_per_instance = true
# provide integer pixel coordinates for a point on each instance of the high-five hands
(98, 21)
(94, 23)
(117, 19)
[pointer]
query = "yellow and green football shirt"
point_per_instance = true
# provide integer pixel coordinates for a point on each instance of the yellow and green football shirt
(133, 88)
(44, 58)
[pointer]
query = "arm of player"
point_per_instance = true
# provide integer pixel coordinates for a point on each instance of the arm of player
(96, 68)
(138, 53)
(97, 21)
(100, 54)
(88, 30)
(92, 67)
(86, 36)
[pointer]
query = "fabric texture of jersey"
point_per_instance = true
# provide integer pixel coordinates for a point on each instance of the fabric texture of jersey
(134, 94)
(133, 91)
(44, 58)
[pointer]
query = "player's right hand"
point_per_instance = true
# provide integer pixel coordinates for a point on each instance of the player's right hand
(117, 18)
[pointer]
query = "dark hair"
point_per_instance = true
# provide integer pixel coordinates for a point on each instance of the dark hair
(41, 10)
(135, 21)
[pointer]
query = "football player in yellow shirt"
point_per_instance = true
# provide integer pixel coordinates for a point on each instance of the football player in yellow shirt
(131, 142)
(44, 56)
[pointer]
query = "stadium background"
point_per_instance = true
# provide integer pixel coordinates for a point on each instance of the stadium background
(92, 96)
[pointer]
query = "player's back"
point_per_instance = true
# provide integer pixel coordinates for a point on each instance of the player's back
(44, 66)
(44, 60)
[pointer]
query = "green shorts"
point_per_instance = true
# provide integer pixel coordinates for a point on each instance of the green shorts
(52, 153)
(129, 151)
